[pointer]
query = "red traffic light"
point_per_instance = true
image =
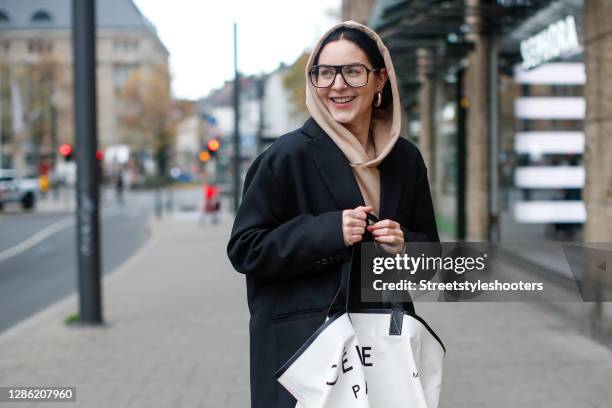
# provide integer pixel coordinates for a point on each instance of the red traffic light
(99, 155)
(65, 150)
(213, 145)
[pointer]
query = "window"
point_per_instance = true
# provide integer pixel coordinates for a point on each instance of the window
(125, 45)
(39, 46)
(121, 73)
(4, 18)
(41, 16)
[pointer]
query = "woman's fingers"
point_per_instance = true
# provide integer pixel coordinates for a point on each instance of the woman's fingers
(387, 231)
(361, 212)
(390, 239)
(353, 234)
(354, 225)
(355, 238)
(357, 230)
(353, 219)
(354, 222)
(384, 224)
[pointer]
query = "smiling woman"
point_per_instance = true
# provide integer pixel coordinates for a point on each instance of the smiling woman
(306, 200)
(350, 99)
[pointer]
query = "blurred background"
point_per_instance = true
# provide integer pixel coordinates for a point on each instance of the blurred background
(509, 102)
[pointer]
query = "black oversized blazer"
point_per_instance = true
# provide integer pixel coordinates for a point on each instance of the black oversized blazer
(287, 239)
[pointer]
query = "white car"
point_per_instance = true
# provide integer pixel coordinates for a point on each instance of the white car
(15, 189)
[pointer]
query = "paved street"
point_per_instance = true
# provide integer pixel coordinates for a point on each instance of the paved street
(176, 336)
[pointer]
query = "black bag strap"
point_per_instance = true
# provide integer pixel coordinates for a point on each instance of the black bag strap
(341, 301)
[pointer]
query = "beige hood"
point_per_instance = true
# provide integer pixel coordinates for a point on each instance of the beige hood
(386, 125)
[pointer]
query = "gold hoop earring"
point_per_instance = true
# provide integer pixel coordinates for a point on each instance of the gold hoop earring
(378, 100)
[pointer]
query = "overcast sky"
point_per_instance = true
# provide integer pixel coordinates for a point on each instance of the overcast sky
(198, 34)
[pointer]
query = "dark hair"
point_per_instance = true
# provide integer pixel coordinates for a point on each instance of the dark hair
(367, 45)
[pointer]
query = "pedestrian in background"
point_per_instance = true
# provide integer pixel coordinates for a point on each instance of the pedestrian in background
(306, 198)
(212, 204)
(119, 186)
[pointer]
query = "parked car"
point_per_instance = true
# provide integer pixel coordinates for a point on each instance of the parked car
(13, 188)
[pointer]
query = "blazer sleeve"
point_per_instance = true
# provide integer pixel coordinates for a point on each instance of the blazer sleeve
(264, 244)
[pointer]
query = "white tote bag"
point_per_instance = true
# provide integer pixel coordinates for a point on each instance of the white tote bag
(367, 359)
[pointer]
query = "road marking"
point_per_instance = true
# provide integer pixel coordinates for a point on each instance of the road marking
(36, 238)
(47, 232)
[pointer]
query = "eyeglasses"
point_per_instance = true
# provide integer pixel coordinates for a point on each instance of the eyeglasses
(354, 75)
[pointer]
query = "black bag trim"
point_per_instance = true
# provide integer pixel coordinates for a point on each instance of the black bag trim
(298, 313)
(395, 325)
(413, 315)
(306, 344)
(332, 319)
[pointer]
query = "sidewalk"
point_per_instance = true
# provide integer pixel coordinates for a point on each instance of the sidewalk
(518, 355)
(177, 336)
(176, 333)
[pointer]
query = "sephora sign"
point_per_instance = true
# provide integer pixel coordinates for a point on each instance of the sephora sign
(557, 40)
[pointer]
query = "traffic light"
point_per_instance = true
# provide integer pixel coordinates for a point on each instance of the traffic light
(66, 150)
(204, 156)
(212, 146)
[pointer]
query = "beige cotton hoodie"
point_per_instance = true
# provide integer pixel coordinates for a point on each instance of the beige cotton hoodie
(386, 125)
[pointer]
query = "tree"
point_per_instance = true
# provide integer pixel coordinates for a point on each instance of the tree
(294, 82)
(29, 94)
(6, 130)
(44, 82)
(147, 113)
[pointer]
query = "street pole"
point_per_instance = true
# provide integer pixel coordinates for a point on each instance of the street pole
(31, 162)
(493, 132)
(88, 239)
(261, 83)
(461, 107)
(236, 124)
(53, 114)
(1, 149)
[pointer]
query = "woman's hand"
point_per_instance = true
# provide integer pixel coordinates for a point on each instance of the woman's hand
(353, 224)
(389, 235)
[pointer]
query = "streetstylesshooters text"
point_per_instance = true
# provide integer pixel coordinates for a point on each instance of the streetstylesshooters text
(458, 265)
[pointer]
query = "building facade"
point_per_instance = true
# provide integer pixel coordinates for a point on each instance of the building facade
(36, 75)
(506, 109)
(267, 111)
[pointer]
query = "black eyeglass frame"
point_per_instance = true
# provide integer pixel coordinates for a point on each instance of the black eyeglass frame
(338, 68)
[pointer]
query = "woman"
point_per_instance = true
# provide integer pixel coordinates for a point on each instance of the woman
(305, 199)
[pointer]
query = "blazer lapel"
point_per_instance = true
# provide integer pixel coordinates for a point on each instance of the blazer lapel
(333, 167)
(390, 185)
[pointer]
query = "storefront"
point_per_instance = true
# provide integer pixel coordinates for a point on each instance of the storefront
(500, 95)
(541, 136)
